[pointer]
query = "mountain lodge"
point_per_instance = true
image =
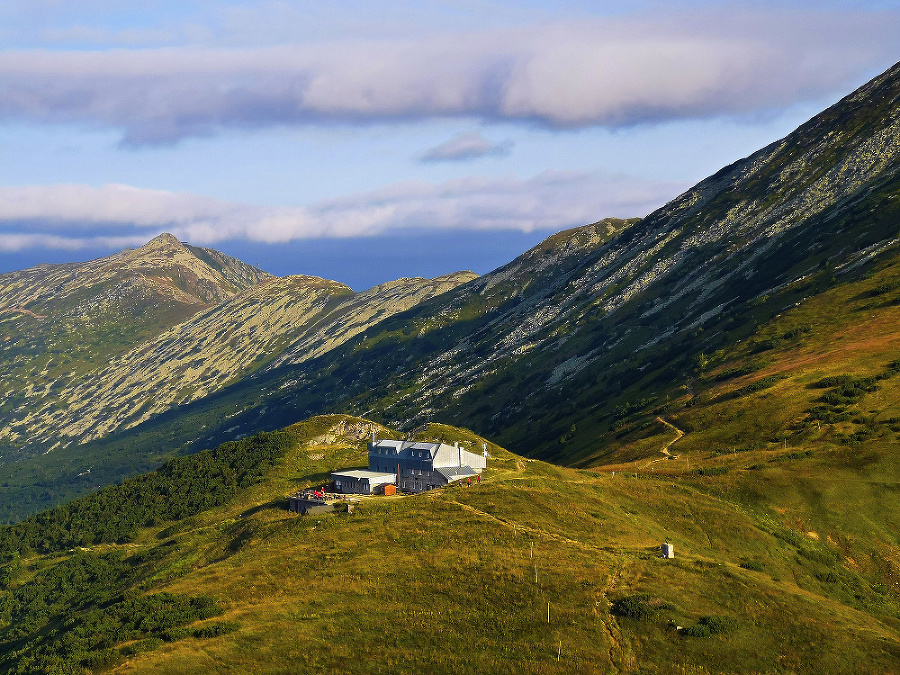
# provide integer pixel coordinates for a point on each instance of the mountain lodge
(412, 466)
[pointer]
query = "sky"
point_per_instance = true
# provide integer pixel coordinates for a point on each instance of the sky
(364, 141)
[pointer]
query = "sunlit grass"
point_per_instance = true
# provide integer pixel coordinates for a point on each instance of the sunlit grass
(458, 580)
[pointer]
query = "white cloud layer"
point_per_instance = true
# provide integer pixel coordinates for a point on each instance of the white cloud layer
(116, 216)
(612, 72)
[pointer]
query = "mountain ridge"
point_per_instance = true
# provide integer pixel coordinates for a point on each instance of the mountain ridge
(241, 322)
(65, 320)
(566, 350)
(629, 310)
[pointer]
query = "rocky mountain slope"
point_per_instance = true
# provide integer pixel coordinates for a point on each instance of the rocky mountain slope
(288, 319)
(58, 322)
(692, 277)
(102, 346)
(555, 351)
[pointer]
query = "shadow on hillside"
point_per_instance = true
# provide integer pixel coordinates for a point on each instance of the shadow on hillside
(281, 503)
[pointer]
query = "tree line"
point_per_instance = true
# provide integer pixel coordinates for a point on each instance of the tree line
(182, 487)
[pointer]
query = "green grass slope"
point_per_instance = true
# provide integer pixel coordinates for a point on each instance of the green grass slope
(770, 388)
(200, 568)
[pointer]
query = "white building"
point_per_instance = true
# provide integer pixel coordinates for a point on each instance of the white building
(414, 466)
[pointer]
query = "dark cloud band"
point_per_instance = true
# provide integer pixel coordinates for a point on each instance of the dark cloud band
(603, 72)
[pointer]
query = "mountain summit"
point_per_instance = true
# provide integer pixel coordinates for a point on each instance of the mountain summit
(163, 268)
(161, 241)
(204, 275)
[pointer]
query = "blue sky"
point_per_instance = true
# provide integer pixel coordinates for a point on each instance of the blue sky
(367, 141)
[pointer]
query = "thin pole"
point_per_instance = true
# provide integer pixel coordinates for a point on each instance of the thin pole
(548, 612)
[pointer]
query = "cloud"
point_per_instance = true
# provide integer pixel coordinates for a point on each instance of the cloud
(116, 216)
(15, 242)
(613, 72)
(464, 147)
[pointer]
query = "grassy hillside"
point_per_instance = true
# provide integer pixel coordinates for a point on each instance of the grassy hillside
(770, 388)
(767, 577)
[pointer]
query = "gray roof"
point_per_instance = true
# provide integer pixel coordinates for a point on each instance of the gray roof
(359, 475)
(456, 472)
(403, 446)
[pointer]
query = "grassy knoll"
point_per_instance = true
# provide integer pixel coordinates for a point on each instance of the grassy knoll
(459, 580)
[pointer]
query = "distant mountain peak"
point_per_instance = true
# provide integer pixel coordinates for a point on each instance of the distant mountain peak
(165, 244)
(206, 274)
(162, 242)
(111, 304)
(163, 239)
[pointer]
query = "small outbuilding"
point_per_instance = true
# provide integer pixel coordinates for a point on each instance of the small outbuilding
(667, 550)
(359, 482)
(450, 474)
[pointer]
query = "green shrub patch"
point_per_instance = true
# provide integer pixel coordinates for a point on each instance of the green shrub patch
(641, 607)
(710, 625)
